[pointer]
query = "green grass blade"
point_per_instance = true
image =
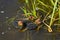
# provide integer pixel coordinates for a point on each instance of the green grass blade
(9, 21)
(54, 9)
(59, 14)
(34, 9)
(41, 9)
(47, 6)
(25, 11)
(52, 2)
(26, 1)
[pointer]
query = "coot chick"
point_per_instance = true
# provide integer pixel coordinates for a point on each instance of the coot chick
(24, 25)
(18, 24)
(31, 26)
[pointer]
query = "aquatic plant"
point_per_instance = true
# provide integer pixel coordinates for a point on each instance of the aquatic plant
(48, 11)
(31, 11)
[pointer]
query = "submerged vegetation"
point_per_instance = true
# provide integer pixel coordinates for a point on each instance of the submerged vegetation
(47, 11)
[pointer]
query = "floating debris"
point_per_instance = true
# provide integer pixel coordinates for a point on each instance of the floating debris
(3, 33)
(6, 17)
(2, 11)
(9, 28)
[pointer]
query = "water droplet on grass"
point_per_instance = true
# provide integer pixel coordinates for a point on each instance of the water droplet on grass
(9, 28)
(37, 8)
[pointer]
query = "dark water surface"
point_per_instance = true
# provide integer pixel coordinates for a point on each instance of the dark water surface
(8, 8)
